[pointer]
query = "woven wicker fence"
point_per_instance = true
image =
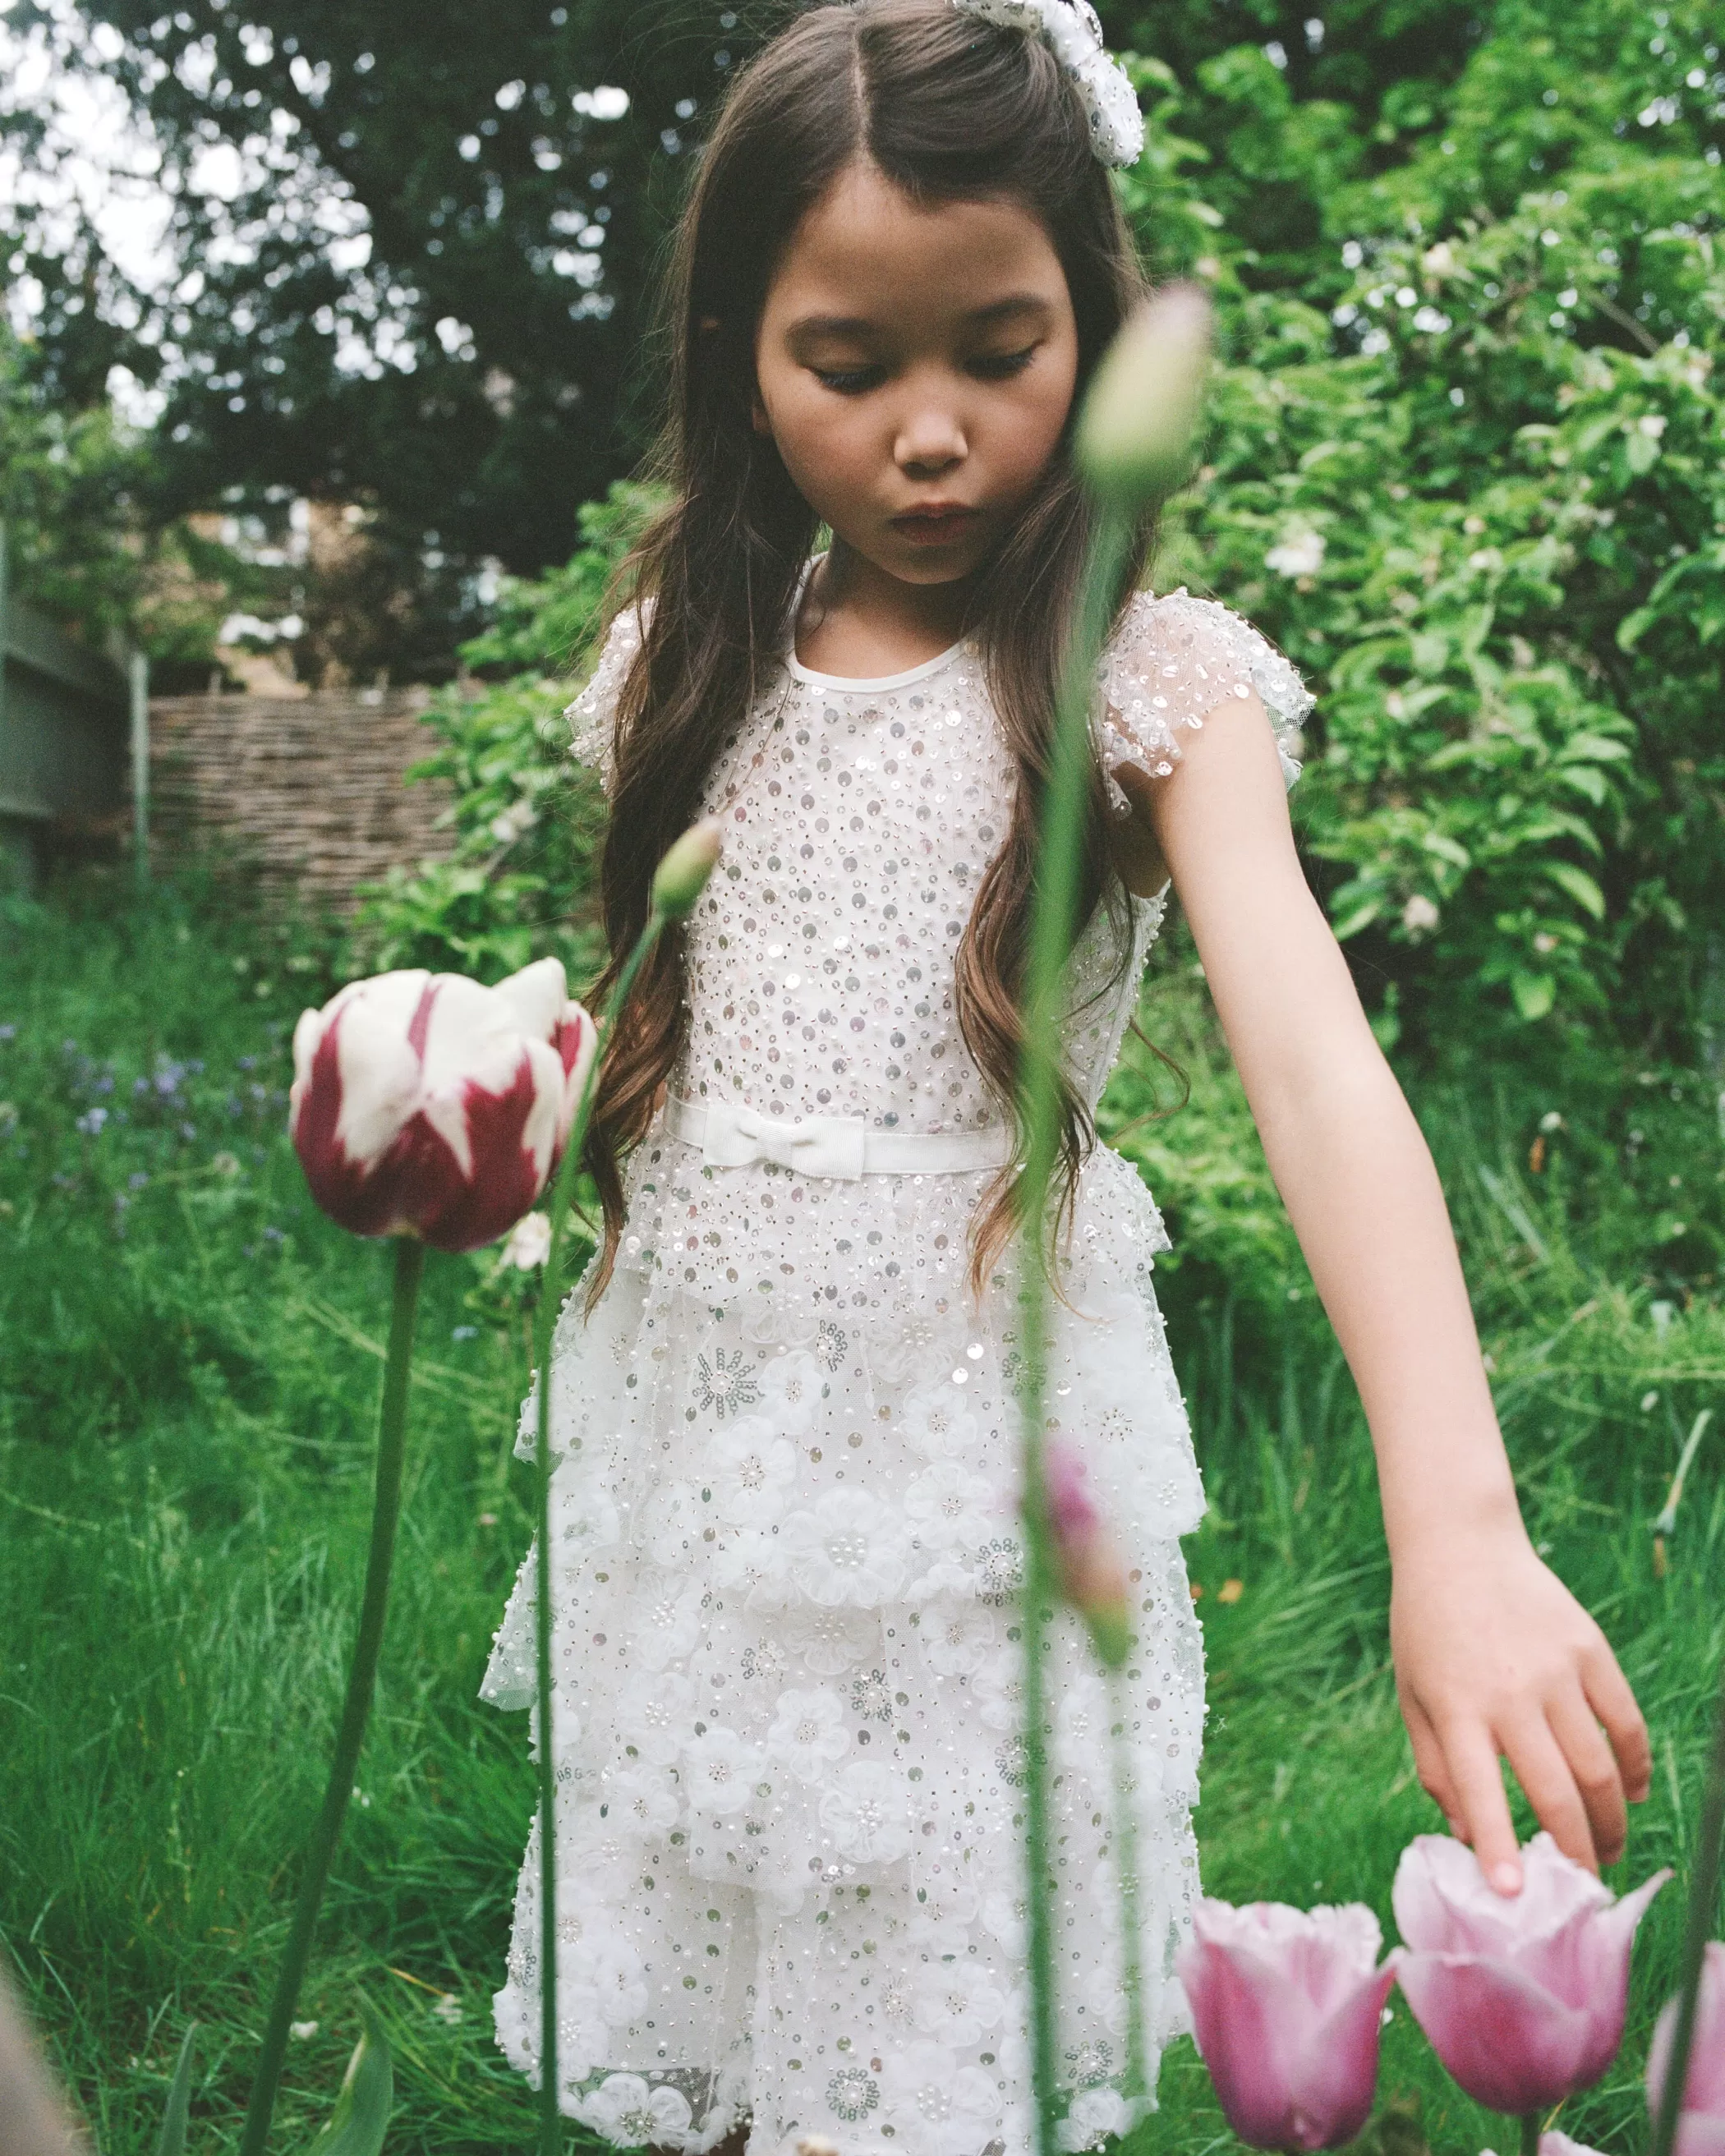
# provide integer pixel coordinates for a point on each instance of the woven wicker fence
(308, 790)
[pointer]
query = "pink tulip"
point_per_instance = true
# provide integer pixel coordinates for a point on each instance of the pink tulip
(1522, 1996)
(425, 1105)
(1092, 1571)
(1287, 2004)
(1701, 2124)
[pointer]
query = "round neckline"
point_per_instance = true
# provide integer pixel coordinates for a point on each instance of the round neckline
(852, 682)
(855, 683)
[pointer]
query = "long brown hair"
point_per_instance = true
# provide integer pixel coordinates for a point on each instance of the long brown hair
(948, 108)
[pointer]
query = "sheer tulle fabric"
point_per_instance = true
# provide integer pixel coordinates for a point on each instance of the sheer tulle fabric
(784, 1550)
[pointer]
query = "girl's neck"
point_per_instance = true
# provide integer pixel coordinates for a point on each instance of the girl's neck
(856, 620)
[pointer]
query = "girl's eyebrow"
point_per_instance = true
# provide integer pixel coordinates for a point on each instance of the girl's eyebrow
(1014, 304)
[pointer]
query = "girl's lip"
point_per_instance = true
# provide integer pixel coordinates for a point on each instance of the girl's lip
(929, 528)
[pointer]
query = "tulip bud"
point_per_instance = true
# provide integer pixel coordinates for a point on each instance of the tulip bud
(1133, 446)
(1091, 1570)
(681, 876)
(1287, 2004)
(1701, 2118)
(1522, 1998)
(423, 1104)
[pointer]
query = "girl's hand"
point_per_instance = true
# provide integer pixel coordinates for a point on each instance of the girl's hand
(1494, 1656)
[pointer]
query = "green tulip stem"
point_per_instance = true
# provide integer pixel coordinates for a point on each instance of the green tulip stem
(361, 1679)
(562, 1193)
(1703, 1900)
(1530, 2133)
(1053, 922)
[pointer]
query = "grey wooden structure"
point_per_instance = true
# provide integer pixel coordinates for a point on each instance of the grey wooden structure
(69, 759)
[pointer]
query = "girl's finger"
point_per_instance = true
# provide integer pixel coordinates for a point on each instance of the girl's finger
(1594, 1765)
(1544, 1773)
(1430, 1765)
(1484, 1809)
(1610, 1696)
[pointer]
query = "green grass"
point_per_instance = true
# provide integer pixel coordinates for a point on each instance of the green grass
(187, 1383)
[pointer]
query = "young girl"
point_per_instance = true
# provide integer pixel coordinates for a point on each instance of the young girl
(785, 1558)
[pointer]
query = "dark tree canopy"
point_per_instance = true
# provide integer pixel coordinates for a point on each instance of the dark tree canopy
(419, 255)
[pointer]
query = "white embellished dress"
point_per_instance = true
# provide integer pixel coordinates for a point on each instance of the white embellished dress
(785, 1553)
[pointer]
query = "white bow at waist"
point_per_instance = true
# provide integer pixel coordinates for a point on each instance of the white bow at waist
(732, 1135)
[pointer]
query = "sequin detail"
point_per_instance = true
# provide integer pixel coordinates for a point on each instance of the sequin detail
(784, 1556)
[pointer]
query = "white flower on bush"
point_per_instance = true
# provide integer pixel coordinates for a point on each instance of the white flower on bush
(1095, 2116)
(720, 1772)
(846, 1549)
(939, 1421)
(829, 1640)
(641, 1799)
(958, 1636)
(654, 1720)
(1420, 915)
(629, 2113)
(529, 1243)
(948, 1507)
(1651, 424)
(937, 2106)
(667, 1619)
(809, 1731)
(753, 1471)
(866, 1813)
(955, 2001)
(790, 1393)
(1299, 552)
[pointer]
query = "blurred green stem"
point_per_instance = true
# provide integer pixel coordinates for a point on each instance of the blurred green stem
(361, 1678)
(1059, 861)
(1125, 1858)
(545, 1323)
(1703, 1903)
(1530, 2133)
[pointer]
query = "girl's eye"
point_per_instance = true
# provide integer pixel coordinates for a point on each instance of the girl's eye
(850, 381)
(1002, 366)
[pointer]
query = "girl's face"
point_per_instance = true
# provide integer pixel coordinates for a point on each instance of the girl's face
(915, 365)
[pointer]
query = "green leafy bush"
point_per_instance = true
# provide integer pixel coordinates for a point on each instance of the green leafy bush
(527, 822)
(1469, 473)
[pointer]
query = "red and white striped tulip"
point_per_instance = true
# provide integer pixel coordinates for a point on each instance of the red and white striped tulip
(1287, 2004)
(425, 1104)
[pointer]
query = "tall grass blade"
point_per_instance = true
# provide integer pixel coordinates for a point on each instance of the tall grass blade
(361, 2118)
(172, 2139)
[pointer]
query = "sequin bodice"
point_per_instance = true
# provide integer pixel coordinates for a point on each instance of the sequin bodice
(860, 817)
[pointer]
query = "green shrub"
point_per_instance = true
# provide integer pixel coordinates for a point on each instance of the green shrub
(517, 883)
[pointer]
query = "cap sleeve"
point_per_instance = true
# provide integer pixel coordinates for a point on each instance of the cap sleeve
(592, 716)
(1170, 663)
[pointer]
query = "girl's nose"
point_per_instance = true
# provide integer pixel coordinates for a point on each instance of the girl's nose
(930, 441)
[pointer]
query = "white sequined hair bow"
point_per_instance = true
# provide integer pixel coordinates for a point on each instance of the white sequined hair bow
(1070, 30)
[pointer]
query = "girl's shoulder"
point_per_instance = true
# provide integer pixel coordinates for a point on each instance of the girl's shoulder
(592, 716)
(1171, 660)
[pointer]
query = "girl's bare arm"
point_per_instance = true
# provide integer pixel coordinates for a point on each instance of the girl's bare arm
(1493, 1655)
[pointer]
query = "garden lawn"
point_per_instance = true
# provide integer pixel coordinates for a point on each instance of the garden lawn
(189, 1365)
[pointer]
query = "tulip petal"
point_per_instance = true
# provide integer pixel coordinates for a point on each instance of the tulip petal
(537, 996)
(1286, 2006)
(1502, 2037)
(1702, 2130)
